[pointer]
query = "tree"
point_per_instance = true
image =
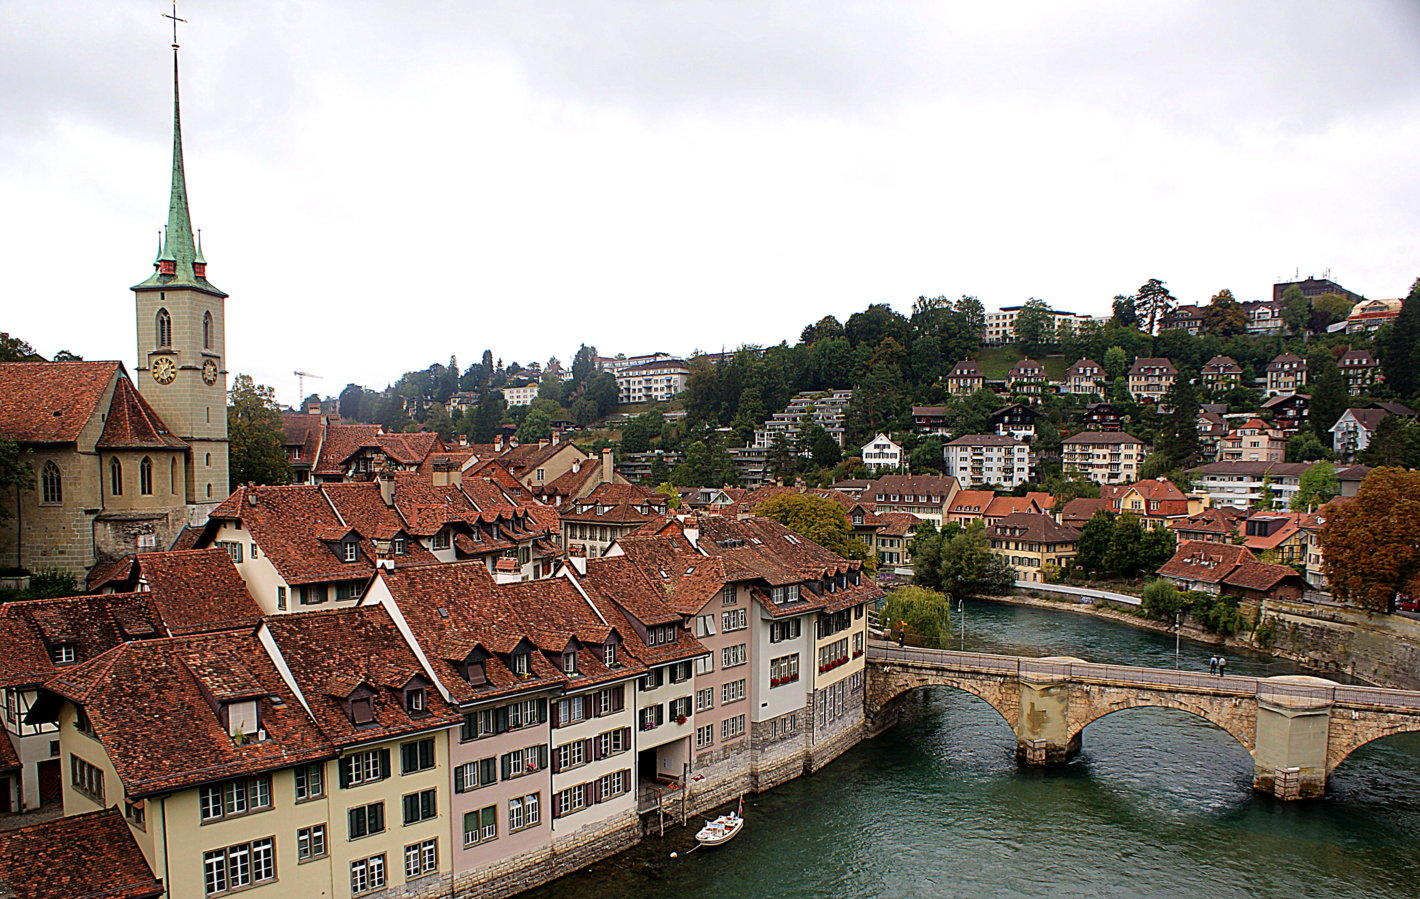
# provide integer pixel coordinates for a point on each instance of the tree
(925, 614)
(971, 320)
(1157, 547)
(1092, 551)
(1035, 328)
(1296, 310)
(671, 493)
(1328, 309)
(254, 435)
(13, 349)
(1369, 543)
(1178, 438)
(1162, 600)
(584, 363)
(1151, 304)
(349, 402)
(487, 417)
(1399, 347)
(1304, 446)
(1125, 556)
(583, 411)
(602, 390)
(1395, 443)
(1224, 316)
(819, 519)
(1123, 312)
(825, 450)
(968, 567)
(1329, 396)
(537, 425)
(1316, 487)
(1116, 363)
(828, 326)
(15, 475)
(439, 422)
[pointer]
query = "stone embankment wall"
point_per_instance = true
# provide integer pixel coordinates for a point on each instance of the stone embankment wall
(1381, 649)
(577, 850)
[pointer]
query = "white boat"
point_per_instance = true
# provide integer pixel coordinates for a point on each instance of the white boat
(721, 830)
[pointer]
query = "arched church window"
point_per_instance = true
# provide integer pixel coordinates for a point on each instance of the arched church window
(165, 328)
(50, 485)
(207, 330)
(145, 476)
(115, 477)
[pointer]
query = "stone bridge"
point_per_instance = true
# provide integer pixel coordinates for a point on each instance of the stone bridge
(1297, 729)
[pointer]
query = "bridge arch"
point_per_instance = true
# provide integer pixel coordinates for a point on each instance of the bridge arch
(996, 691)
(1346, 740)
(1237, 726)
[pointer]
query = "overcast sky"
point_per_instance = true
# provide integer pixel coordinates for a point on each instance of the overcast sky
(384, 185)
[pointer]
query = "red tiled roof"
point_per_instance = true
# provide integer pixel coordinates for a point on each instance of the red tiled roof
(1033, 528)
(340, 442)
(1206, 562)
(146, 702)
(1165, 366)
(360, 644)
(132, 423)
(77, 857)
(194, 591)
(971, 502)
(284, 522)
(50, 402)
(93, 625)
(1081, 509)
(1261, 576)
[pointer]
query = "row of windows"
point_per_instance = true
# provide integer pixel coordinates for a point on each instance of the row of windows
(574, 799)
(51, 482)
(163, 329)
(481, 825)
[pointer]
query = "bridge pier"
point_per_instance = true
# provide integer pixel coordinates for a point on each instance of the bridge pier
(1043, 736)
(1289, 757)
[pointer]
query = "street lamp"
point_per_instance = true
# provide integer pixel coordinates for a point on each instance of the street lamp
(1177, 631)
(961, 611)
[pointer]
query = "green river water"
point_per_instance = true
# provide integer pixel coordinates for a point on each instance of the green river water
(1158, 803)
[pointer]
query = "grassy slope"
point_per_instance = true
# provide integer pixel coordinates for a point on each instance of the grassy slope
(996, 361)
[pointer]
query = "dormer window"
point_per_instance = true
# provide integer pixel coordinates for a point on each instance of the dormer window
(349, 551)
(242, 719)
(362, 710)
(400, 545)
(414, 701)
(441, 539)
(569, 662)
(519, 663)
(64, 654)
(609, 655)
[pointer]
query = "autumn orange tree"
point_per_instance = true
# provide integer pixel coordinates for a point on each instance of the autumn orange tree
(821, 520)
(1372, 554)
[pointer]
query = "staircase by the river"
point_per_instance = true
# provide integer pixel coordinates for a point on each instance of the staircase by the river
(1297, 729)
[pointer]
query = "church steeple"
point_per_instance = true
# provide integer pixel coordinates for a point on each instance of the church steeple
(179, 262)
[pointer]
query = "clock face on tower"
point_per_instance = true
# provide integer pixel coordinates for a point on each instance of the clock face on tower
(209, 372)
(164, 369)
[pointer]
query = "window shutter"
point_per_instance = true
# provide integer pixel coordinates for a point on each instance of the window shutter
(542, 757)
(344, 772)
(557, 714)
(507, 763)
(595, 789)
(384, 763)
(618, 698)
(352, 822)
(542, 711)
(556, 762)
(596, 748)
(626, 737)
(595, 702)
(502, 719)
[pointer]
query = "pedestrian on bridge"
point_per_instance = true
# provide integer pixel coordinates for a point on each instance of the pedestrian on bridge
(901, 638)
(1222, 666)
(1213, 664)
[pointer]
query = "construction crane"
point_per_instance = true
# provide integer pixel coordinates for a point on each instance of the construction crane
(301, 381)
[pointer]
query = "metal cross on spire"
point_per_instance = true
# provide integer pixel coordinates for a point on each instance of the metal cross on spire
(174, 16)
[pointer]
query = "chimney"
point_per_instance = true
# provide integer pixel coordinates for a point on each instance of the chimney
(608, 467)
(386, 482)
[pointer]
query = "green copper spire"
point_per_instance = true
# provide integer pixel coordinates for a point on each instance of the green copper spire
(180, 262)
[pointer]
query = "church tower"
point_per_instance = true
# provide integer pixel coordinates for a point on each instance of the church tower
(181, 368)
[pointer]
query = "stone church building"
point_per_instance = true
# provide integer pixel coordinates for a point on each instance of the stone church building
(122, 464)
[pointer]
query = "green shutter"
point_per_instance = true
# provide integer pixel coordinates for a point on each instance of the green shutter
(502, 719)
(344, 766)
(384, 763)
(542, 711)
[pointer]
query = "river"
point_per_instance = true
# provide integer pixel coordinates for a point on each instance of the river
(1158, 803)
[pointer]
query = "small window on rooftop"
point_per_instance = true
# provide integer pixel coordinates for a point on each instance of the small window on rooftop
(64, 654)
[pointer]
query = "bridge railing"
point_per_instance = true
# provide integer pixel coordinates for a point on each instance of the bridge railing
(1090, 672)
